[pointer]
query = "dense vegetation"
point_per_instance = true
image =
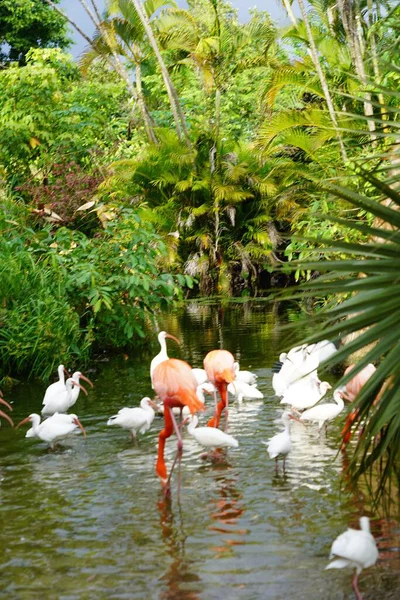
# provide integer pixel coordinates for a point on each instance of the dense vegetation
(186, 148)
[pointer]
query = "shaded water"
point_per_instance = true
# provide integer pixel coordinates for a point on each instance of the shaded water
(89, 521)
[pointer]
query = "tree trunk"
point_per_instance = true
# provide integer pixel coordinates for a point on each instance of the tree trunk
(374, 54)
(172, 95)
(349, 23)
(113, 60)
(322, 78)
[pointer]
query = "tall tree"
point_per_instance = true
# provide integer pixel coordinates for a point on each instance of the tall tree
(26, 24)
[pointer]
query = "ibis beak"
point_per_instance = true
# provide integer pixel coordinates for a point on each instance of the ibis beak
(296, 419)
(79, 386)
(86, 379)
(7, 418)
(172, 337)
(23, 421)
(77, 422)
(154, 405)
(66, 372)
(2, 401)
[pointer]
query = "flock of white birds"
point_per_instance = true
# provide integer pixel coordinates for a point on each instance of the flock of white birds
(295, 380)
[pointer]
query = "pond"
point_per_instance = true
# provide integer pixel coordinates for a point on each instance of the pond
(89, 521)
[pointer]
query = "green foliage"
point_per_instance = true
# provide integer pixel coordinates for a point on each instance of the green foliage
(63, 294)
(25, 24)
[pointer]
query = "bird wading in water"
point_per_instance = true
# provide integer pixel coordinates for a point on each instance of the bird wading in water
(220, 368)
(176, 385)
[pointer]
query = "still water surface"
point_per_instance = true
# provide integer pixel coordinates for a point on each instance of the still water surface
(89, 522)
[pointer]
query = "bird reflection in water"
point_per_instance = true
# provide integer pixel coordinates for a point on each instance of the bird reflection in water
(181, 582)
(227, 509)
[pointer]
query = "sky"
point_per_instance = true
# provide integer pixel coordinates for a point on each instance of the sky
(77, 13)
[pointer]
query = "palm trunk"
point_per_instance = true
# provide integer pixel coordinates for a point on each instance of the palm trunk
(169, 86)
(288, 6)
(322, 78)
(350, 27)
(113, 60)
(142, 104)
(374, 54)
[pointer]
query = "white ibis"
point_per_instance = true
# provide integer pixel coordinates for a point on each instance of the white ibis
(76, 389)
(210, 437)
(2, 413)
(305, 393)
(200, 375)
(355, 548)
(54, 429)
(60, 402)
(162, 355)
(323, 413)
(58, 386)
(137, 419)
(280, 444)
(245, 376)
(241, 390)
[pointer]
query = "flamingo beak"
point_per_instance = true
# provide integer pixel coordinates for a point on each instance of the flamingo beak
(7, 418)
(86, 379)
(66, 372)
(77, 422)
(23, 421)
(2, 401)
(172, 337)
(79, 386)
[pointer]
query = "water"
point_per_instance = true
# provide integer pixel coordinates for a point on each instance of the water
(89, 520)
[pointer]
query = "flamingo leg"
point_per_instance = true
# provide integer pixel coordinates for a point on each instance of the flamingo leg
(284, 463)
(354, 585)
(223, 403)
(276, 465)
(161, 468)
(178, 456)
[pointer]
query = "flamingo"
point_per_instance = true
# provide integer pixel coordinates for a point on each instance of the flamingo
(76, 389)
(354, 548)
(136, 420)
(162, 355)
(350, 392)
(305, 393)
(220, 369)
(60, 402)
(175, 384)
(210, 437)
(245, 376)
(2, 413)
(54, 429)
(241, 390)
(322, 413)
(206, 387)
(58, 386)
(280, 444)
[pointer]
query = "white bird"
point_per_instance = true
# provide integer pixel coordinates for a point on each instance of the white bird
(210, 437)
(61, 401)
(305, 393)
(323, 413)
(162, 355)
(280, 444)
(54, 429)
(354, 548)
(200, 375)
(246, 376)
(241, 390)
(137, 419)
(324, 350)
(58, 386)
(76, 389)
